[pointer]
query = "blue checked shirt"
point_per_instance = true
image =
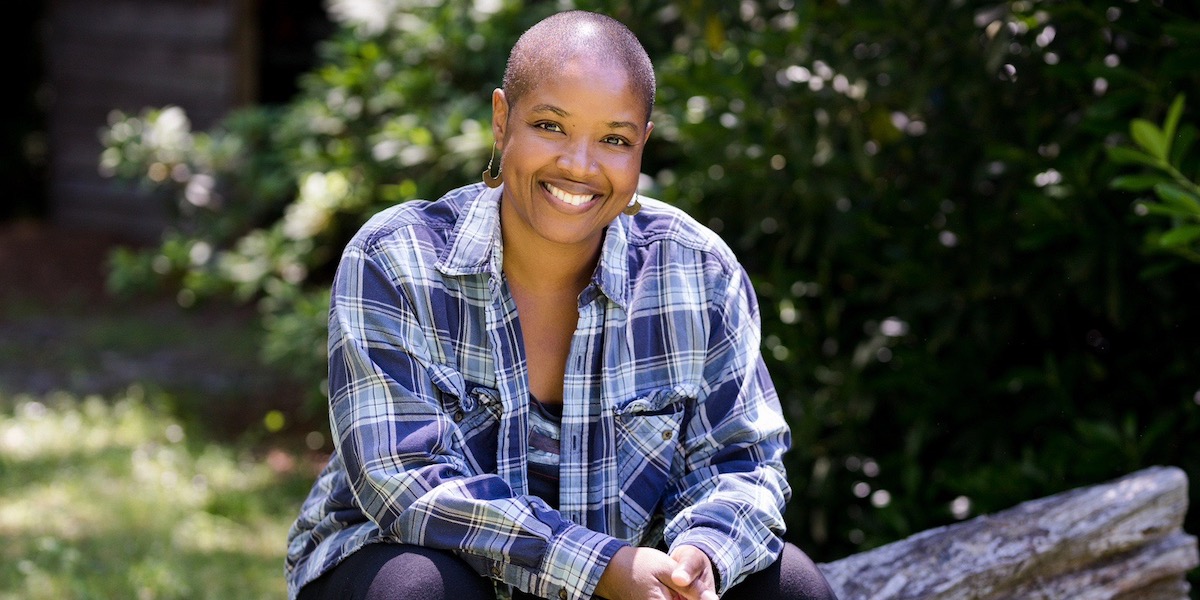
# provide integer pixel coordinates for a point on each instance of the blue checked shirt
(671, 427)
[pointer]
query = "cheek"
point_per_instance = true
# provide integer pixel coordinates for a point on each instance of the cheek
(627, 170)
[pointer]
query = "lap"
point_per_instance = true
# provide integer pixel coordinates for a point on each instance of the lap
(793, 576)
(400, 572)
(405, 572)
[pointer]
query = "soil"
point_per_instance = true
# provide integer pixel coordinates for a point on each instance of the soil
(62, 332)
(43, 263)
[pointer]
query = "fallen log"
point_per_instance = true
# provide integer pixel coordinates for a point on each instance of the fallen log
(1115, 541)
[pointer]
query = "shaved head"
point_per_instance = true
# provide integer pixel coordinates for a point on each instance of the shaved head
(557, 39)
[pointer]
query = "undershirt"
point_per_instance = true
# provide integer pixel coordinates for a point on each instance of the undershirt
(545, 426)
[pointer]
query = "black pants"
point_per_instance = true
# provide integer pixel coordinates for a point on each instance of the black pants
(403, 572)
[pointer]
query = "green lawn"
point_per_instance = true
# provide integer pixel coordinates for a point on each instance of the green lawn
(114, 498)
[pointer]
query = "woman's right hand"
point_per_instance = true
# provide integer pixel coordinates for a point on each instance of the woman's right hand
(638, 574)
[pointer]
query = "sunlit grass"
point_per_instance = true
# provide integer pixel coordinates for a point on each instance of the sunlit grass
(110, 498)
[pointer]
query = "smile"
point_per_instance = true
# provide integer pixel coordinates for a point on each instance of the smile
(569, 198)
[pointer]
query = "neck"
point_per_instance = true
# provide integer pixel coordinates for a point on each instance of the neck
(545, 268)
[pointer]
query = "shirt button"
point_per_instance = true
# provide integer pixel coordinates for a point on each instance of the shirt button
(497, 571)
(562, 593)
(458, 417)
(668, 434)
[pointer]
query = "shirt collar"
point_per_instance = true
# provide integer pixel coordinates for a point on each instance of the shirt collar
(476, 247)
(475, 242)
(612, 274)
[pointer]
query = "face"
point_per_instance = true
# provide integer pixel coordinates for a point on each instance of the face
(572, 152)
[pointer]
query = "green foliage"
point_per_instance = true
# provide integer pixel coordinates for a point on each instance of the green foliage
(953, 303)
(1163, 152)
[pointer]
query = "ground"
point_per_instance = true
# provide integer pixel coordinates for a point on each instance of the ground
(61, 331)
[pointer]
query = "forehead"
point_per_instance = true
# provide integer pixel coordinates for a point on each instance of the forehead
(587, 87)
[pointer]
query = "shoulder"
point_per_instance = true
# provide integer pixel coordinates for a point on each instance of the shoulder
(430, 221)
(662, 228)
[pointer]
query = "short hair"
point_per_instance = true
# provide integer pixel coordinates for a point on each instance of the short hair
(543, 48)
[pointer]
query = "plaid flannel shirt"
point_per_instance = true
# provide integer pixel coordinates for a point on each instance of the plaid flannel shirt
(671, 427)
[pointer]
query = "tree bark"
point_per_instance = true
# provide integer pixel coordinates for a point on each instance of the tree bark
(1119, 540)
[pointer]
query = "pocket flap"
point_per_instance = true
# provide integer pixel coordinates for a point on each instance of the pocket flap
(450, 382)
(659, 401)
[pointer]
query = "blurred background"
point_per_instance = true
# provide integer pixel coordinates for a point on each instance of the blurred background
(973, 228)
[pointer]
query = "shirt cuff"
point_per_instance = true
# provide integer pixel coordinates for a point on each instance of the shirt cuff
(574, 562)
(723, 552)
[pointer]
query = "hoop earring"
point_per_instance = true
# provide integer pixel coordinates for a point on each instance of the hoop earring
(493, 176)
(634, 206)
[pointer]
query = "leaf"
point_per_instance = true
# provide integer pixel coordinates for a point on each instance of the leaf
(714, 33)
(1150, 138)
(1126, 156)
(1180, 236)
(1162, 269)
(1178, 197)
(1136, 183)
(1181, 143)
(1166, 211)
(1172, 121)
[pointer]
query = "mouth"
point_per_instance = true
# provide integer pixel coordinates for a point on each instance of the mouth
(568, 197)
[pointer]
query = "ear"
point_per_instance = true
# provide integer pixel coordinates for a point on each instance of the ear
(649, 128)
(499, 116)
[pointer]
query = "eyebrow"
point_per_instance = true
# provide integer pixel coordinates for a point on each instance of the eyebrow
(564, 114)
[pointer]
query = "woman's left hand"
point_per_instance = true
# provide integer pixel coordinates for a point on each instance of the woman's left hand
(693, 578)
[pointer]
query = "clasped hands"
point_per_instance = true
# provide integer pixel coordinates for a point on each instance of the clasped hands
(649, 574)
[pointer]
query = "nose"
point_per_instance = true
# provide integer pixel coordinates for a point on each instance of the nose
(576, 159)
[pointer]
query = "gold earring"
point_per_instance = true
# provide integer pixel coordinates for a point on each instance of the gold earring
(634, 206)
(493, 176)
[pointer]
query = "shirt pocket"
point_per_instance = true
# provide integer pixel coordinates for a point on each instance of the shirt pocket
(475, 409)
(648, 429)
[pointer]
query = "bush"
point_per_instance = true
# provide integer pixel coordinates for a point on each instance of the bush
(958, 309)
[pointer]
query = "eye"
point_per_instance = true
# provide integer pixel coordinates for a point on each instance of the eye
(548, 126)
(615, 140)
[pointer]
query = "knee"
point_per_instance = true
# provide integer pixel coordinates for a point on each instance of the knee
(792, 576)
(423, 573)
(800, 577)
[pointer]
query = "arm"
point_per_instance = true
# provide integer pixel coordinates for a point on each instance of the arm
(729, 502)
(405, 457)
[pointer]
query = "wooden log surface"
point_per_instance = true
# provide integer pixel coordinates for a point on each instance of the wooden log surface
(1117, 540)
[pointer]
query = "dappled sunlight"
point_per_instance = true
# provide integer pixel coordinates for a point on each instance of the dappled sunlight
(34, 430)
(111, 498)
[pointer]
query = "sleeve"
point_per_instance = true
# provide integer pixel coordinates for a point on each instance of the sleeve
(405, 457)
(729, 502)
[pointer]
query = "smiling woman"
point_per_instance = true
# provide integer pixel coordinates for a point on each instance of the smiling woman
(538, 389)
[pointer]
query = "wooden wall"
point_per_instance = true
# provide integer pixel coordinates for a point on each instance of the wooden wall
(131, 54)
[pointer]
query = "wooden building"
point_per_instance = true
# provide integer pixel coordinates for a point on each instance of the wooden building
(206, 56)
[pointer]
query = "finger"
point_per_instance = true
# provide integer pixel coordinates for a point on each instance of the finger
(682, 591)
(675, 592)
(692, 564)
(682, 576)
(698, 583)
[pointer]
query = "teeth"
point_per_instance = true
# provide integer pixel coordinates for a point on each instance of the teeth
(572, 199)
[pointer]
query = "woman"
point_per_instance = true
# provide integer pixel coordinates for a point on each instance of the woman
(545, 385)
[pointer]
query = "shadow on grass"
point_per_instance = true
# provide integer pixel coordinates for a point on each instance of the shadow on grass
(111, 497)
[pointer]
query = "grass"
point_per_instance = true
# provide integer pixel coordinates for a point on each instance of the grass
(114, 498)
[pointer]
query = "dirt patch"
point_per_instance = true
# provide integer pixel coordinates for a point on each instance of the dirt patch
(47, 264)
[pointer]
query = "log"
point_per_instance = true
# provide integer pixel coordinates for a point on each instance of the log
(1115, 541)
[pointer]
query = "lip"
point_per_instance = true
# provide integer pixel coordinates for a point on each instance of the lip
(563, 205)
